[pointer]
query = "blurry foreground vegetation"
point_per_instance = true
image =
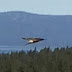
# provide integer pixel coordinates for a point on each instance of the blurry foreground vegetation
(59, 60)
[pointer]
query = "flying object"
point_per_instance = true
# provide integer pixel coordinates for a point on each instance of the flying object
(33, 40)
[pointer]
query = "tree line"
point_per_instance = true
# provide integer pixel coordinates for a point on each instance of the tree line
(46, 60)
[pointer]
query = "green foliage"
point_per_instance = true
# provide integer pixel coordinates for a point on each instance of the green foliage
(59, 60)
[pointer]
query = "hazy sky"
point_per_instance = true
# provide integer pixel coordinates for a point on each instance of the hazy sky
(56, 7)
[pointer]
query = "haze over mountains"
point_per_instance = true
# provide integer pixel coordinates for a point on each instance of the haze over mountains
(56, 29)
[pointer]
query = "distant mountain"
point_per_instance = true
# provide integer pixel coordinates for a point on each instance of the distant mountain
(56, 29)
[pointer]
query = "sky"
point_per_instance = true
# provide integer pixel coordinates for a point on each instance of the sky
(53, 7)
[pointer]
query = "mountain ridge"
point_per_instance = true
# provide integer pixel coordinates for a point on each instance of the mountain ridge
(16, 24)
(32, 13)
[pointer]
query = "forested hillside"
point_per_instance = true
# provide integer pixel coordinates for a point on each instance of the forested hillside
(56, 29)
(59, 60)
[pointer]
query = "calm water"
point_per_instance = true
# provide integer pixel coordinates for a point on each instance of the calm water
(9, 49)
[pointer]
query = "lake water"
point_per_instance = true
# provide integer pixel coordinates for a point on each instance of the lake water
(9, 49)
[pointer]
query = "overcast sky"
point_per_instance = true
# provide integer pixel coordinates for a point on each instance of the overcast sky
(54, 7)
